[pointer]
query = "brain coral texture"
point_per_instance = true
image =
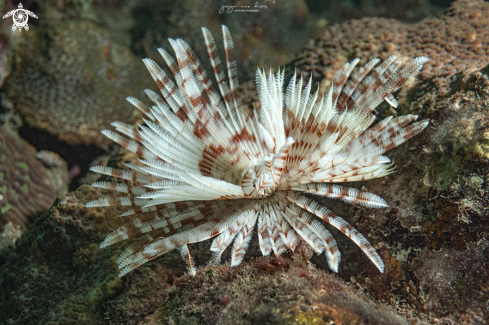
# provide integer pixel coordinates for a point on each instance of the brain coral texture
(25, 188)
(455, 42)
(72, 78)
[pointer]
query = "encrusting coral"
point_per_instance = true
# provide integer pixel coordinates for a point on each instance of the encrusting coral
(454, 43)
(298, 292)
(461, 137)
(434, 238)
(71, 78)
(56, 275)
(25, 188)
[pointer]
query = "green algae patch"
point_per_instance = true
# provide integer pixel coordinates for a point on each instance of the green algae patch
(23, 166)
(6, 208)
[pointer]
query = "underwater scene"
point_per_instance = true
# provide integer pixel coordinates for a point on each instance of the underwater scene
(244, 162)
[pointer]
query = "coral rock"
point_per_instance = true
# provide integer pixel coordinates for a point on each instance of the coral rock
(262, 292)
(25, 189)
(72, 78)
(461, 138)
(56, 275)
(142, 295)
(455, 42)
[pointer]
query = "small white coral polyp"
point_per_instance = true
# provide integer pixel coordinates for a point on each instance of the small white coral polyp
(211, 167)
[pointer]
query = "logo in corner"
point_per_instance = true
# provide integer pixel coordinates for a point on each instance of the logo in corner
(20, 17)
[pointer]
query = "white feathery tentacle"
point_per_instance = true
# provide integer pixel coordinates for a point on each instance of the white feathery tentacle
(211, 168)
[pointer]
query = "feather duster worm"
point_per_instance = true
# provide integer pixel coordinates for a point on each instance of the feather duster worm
(213, 168)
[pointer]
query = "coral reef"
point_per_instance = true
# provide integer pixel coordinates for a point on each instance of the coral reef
(434, 236)
(142, 295)
(9, 117)
(25, 189)
(406, 11)
(461, 137)
(56, 171)
(10, 234)
(71, 79)
(5, 59)
(269, 290)
(56, 274)
(432, 239)
(455, 42)
(447, 278)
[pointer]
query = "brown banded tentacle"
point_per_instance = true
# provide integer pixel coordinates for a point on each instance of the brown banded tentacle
(343, 226)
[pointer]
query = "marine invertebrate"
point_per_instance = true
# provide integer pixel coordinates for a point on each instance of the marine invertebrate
(74, 86)
(211, 167)
(455, 43)
(25, 188)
